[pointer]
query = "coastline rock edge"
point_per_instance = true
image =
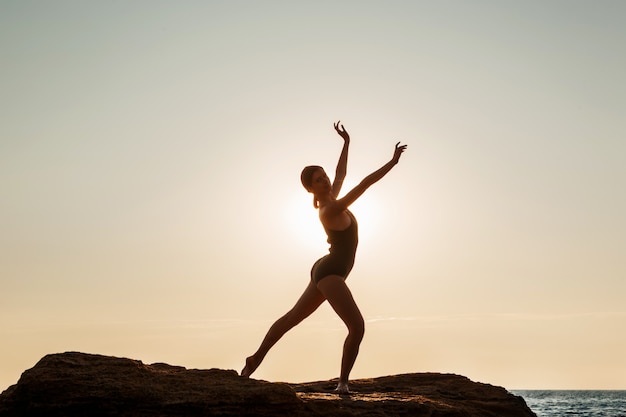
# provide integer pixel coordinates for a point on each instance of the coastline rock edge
(78, 384)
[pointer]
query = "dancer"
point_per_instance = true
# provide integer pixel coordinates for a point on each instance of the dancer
(329, 273)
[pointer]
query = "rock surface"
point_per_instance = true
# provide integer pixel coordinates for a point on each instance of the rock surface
(77, 384)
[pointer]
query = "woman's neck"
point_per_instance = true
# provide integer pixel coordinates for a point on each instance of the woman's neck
(324, 199)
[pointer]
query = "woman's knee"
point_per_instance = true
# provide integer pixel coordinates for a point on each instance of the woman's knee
(290, 319)
(356, 327)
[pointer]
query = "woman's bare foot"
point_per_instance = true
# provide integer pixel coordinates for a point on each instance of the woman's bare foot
(342, 388)
(251, 365)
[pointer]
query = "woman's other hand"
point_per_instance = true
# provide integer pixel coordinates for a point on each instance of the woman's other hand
(342, 131)
(397, 152)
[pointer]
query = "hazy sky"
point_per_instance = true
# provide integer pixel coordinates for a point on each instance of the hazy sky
(150, 154)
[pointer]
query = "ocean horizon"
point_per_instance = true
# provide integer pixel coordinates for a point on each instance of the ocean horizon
(584, 403)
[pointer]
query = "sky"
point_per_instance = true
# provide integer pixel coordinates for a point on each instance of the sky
(150, 154)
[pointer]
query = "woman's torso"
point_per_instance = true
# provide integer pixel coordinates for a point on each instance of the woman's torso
(344, 242)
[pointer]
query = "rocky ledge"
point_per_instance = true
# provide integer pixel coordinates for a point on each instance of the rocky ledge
(78, 384)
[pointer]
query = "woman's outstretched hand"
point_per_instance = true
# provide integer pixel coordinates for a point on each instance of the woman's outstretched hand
(397, 152)
(342, 132)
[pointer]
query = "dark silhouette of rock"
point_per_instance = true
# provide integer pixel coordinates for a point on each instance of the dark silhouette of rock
(77, 384)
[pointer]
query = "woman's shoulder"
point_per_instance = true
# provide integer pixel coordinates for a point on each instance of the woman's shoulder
(335, 216)
(332, 209)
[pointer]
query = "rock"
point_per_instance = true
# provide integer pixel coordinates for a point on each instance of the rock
(424, 394)
(78, 384)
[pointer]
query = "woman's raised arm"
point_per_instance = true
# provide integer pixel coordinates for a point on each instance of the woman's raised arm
(342, 165)
(357, 191)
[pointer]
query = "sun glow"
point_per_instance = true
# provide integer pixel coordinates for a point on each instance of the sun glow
(302, 220)
(306, 229)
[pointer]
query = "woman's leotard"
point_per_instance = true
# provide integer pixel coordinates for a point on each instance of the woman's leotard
(342, 251)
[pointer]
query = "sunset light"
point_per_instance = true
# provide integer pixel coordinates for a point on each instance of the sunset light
(150, 159)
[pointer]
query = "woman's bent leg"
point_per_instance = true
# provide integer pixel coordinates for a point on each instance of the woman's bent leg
(309, 301)
(340, 298)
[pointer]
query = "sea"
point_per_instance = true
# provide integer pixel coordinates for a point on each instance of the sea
(575, 403)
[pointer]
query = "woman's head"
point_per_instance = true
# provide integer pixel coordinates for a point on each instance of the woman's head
(315, 180)
(307, 176)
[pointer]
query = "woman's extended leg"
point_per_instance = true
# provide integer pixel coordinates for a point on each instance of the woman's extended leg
(309, 301)
(340, 298)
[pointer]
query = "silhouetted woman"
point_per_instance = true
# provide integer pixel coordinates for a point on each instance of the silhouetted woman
(329, 273)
